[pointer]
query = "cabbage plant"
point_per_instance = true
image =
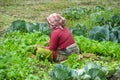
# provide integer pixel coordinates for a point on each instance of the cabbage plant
(105, 33)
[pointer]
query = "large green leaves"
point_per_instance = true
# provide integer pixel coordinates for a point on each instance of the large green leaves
(95, 71)
(115, 20)
(99, 33)
(91, 71)
(74, 13)
(79, 29)
(105, 33)
(23, 26)
(61, 72)
(115, 34)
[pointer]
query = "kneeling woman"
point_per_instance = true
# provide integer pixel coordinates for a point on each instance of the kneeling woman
(61, 41)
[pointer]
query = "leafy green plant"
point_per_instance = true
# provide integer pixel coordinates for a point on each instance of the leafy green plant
(43, 54)
(97, 9)
(115, 34)
(99, 15)
(99, 33)
(74, 13)
(115, 20)
(91, 71)
(75, 62)
(105, 48)
(61, 72)
(106, 17)
(23, 26)
(18, 62)
(105, 33)
(16, 56)
(79, 29)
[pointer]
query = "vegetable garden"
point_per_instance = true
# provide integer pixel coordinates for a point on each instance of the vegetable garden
(95, 30)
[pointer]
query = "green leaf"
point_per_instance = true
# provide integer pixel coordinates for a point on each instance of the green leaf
(60, 72)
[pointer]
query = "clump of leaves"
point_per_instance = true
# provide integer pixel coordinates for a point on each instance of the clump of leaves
(16, 61)
(99, 33)
(106, 18)
(43, 54)
(115, 20)
(105, 33)
(97, 9)
(104, 48)
(23, 26)
(74, 13)
(79, 29)
(61, 72)
(75, 62)
(91, 71)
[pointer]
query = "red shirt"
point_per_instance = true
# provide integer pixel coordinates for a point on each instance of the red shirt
(60, 39)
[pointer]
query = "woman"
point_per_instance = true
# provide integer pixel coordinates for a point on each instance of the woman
(61, 41)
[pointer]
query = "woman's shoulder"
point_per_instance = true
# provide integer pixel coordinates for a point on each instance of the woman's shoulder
(56, 31)
(60, 30)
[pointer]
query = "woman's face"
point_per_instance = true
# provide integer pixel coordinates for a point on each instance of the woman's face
(49, 25)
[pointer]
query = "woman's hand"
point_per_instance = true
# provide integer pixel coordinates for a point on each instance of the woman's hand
(46, 47)
(80, 57)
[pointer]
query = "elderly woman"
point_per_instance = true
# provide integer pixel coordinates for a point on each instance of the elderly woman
(61, 41)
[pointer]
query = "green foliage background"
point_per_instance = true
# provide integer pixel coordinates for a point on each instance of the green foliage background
(17, 61)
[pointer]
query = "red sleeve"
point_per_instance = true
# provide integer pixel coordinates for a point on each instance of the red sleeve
(54, 40)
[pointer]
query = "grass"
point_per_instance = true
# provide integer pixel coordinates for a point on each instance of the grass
(38, 10)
